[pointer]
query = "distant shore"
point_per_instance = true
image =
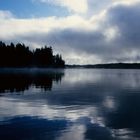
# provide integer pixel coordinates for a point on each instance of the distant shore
(108, 66)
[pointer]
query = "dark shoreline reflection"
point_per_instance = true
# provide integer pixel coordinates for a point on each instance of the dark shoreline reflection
(17, 80)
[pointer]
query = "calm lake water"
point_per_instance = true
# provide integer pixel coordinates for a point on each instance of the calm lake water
(70, 104)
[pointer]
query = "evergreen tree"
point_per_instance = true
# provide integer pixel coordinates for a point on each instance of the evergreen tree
(19, 55)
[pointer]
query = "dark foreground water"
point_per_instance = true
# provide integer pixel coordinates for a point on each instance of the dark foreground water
(71, 104)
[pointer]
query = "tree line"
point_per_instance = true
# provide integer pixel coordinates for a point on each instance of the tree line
(19, 55)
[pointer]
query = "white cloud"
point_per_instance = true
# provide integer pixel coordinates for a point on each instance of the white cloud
(78, 6)
(40, 25)
(111, 33)
(5, 14)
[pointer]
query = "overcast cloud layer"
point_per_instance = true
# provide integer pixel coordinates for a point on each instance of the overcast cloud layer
(93, 32)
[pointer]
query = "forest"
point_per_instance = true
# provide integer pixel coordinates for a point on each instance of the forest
(19, 55)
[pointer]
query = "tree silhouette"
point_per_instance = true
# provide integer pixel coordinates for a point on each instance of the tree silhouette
(19, 55)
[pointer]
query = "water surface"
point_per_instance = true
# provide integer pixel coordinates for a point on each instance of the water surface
(70, 104)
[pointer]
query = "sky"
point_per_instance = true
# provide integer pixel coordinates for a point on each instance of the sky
(83, 31)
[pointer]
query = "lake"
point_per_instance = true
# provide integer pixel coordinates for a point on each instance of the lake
(69, 104)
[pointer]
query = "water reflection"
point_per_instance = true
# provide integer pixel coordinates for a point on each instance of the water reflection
(88, 104)
(31, 128)
(17, 80)
(96, 132)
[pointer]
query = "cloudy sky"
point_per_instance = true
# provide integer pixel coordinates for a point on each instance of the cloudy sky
(83, 31)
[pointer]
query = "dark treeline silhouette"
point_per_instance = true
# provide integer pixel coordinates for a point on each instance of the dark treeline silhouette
(15, 81)
(108, 66)
(116, 66)
(19, 55)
